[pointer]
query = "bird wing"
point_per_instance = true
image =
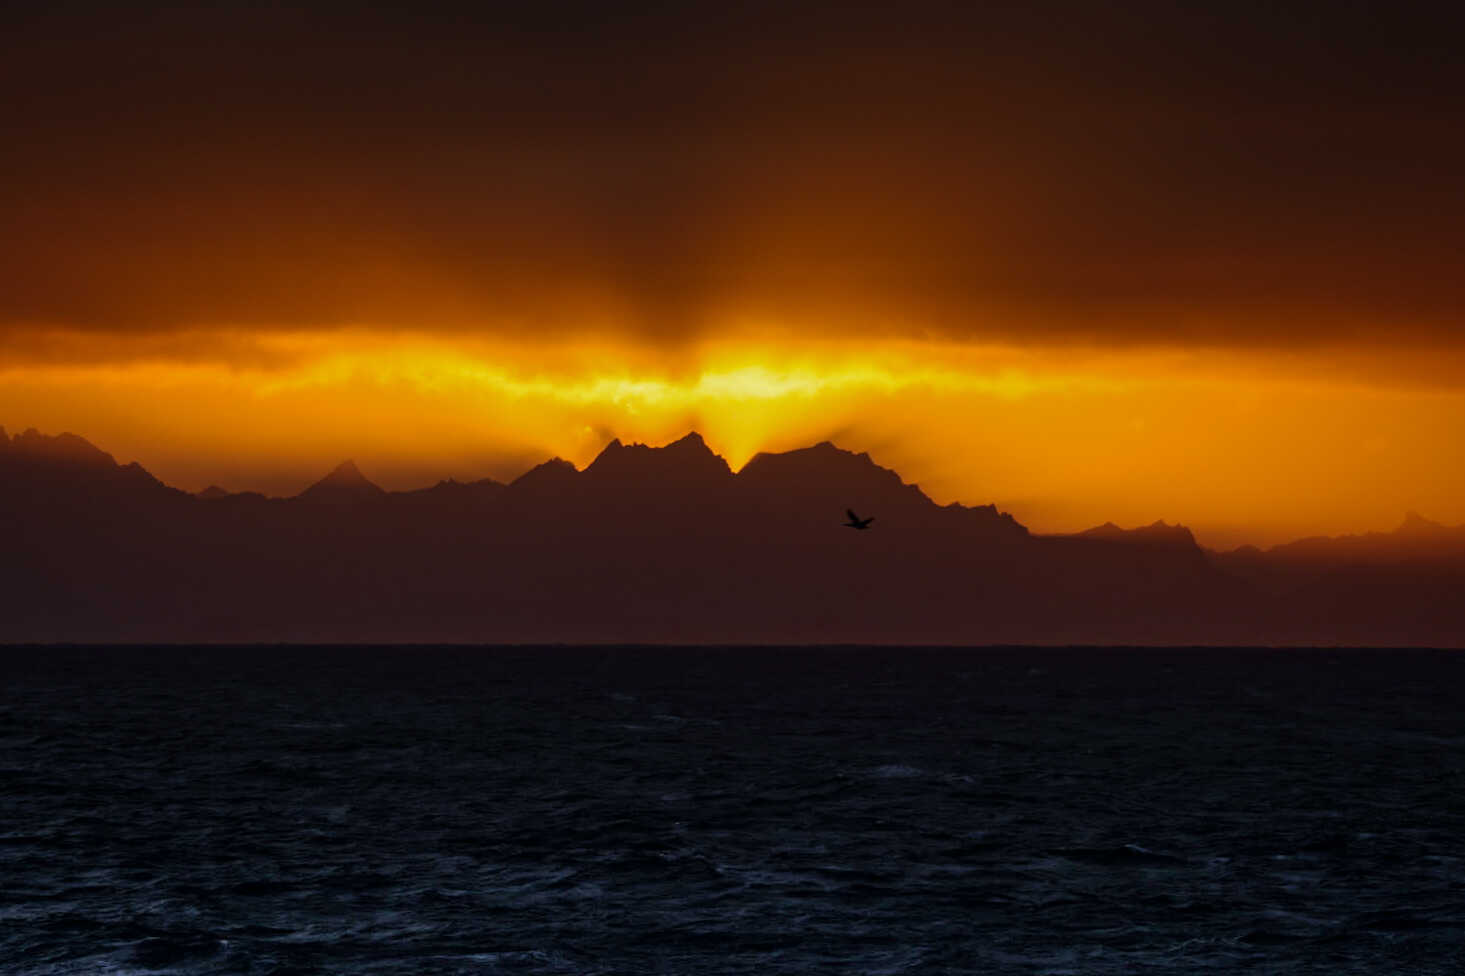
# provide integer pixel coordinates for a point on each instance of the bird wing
(852, 516)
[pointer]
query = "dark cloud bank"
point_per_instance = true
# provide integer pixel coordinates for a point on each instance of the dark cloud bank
(1234, 173)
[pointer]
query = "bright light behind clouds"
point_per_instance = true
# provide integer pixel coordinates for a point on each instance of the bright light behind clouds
(1256, 447)
(1086, 260)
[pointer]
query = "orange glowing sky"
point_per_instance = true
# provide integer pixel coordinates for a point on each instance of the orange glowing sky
(1198, 265)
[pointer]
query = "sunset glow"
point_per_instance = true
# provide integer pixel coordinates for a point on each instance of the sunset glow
(1099, 264)
(1241, 447)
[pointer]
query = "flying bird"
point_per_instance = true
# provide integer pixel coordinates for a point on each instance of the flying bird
(855, 522)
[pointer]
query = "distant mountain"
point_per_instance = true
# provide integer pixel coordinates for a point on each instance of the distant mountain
(450, 493)
(65, 458)
(62, 449)
(344, 484)
(1403, 587)
(1155, 534)
(663, 544)
(1416, 540)
(689, 461)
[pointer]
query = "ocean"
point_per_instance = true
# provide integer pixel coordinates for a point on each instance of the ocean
(446, 810)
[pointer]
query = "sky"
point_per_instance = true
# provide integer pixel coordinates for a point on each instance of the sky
(1087, 263)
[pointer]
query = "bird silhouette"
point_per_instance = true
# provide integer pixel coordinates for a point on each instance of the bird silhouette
(855, 522)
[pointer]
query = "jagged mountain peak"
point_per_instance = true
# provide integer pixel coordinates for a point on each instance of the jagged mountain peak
(60, 447)
(690, 441)
(346, 473)
(1158, 531)
(687, 456)
(345, 480)
(823, 449)
(554, 471)
(828, 478)
(1414, 522)
(822, 461)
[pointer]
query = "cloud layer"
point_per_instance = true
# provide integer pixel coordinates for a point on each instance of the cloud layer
(1239, 176)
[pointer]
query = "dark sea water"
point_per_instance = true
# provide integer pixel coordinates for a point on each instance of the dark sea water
(622, 810)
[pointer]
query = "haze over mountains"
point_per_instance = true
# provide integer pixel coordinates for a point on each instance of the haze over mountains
(664, 544)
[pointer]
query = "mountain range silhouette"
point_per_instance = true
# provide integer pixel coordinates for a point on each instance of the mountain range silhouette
(665, 544)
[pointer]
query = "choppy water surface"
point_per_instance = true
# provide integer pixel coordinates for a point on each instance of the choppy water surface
(414, 811)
